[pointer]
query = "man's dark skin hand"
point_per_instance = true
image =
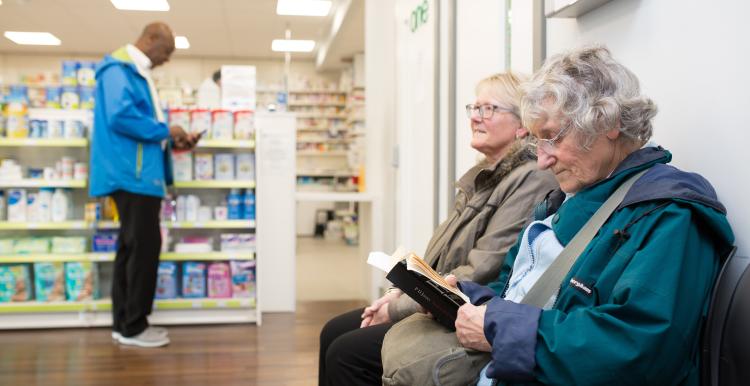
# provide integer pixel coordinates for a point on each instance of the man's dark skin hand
(181, 139)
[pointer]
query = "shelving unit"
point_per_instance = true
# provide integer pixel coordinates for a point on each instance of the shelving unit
(33, 314)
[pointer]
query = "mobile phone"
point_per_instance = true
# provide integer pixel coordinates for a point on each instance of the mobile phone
(202, 133)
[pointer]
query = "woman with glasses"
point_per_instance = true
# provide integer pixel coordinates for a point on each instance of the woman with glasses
(494, 201)
(629, 310)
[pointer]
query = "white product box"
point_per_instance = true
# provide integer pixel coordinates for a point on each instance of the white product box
(180, 117)
(200, 122)
(204, 166)
(245, 165)
(222, 124)
(17, 205)
(224, 166)
(183, 166)
(244, 124)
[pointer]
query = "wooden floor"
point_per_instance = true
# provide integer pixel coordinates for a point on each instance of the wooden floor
(282, 351)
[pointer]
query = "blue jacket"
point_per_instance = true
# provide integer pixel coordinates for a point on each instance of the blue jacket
(629, 311)
(126, 149)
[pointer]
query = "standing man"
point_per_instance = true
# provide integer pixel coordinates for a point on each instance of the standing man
(131, 161)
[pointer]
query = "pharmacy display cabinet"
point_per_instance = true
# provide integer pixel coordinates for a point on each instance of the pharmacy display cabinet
(54, 272)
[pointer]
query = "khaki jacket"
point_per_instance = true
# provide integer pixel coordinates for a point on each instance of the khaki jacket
(493, 204)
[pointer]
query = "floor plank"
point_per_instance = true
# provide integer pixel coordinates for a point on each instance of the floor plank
(282, 351)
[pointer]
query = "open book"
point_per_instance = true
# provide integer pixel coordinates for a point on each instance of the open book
(416, 278)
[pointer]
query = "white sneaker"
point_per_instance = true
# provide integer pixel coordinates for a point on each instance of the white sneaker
(148, 338)
(116, 335)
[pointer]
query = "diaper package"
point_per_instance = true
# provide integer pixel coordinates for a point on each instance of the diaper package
(49, 281)
(193, 280)
(243, 279)
(166, 280)
(219, 280)
(15, 283)
(81, 281)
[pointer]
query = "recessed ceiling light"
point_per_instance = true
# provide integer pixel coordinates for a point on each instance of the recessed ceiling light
(33, 38)
(181, 43)
(284, 45)
(303, 7)
(141, 5)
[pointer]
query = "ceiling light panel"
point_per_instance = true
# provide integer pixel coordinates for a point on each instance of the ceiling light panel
(303, 7)
(181, 43)
(33, 38)
(141, 5)
(284, 45)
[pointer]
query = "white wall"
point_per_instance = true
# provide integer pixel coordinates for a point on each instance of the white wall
(480, 52)
(692, 59)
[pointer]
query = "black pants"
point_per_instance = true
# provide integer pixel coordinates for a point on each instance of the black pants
(136, 262)
(350, 355)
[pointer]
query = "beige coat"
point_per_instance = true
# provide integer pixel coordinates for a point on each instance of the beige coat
(493, 204)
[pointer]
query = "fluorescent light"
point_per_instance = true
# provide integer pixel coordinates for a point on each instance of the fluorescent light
(303, 7)
(33, 38)
(284, 45)
(181, 43)
(141, 5)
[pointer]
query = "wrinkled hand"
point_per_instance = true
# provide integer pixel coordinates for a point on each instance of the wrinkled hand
(377, 312)
(470, 327)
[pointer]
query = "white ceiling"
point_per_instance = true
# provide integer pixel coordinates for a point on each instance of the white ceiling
(216, 28)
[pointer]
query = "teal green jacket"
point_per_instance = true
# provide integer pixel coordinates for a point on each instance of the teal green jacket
(630, 309)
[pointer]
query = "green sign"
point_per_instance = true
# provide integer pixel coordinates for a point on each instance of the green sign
(418, 16)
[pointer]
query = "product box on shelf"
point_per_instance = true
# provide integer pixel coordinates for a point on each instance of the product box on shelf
(81, 281)
(200, 122)
(224, 166)
(53, 97)
(245, 166)
(179, 117)
(204, 166)
(182, 162)
(49, 281)
(219, 280)
(104, 242)
(86, 74)
(70, 72)
(15, 283)
(166, 280)
(70, 98)
(222, 124)
(193, 280)
(244, 124)
(243, 279)
(68, 244)
(237, 242)
(86, 97)
(31, 245)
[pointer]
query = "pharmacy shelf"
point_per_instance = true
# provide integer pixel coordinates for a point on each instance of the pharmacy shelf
(186, 304)
(333, 196)
(210, 224)
(318, 104)
(43, 142)
(102, 257)
(320, 116)
(39, 183)
(316, 91)
(310, 173)
(227, 143)
(59, 114)
(214, 184)
(326, 153)
(106, 305)
(75, 224)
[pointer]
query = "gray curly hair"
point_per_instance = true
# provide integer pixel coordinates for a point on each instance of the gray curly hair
(587, 88)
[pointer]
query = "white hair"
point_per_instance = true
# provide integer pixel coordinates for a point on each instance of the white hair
(587, 88)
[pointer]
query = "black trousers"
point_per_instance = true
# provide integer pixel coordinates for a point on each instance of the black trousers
(350, 355)
(136, 261)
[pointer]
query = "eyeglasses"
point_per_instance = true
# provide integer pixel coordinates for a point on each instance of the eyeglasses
(549, 146)
(484, 111)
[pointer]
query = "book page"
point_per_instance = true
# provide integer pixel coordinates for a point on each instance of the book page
(417, 264)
